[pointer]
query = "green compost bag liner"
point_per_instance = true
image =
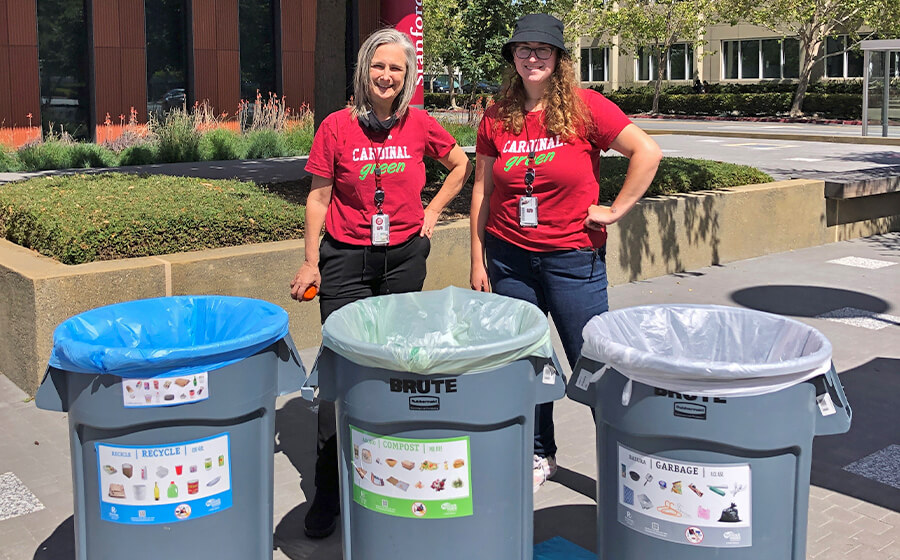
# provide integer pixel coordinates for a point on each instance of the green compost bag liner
(450, 331)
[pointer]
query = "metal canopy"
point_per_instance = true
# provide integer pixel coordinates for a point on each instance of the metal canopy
(880, 52)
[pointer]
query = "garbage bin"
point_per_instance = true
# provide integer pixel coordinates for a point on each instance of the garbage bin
(434, 394)
(171, 405)
(705, 418)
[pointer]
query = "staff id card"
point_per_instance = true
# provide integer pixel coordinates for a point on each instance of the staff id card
(381, 229)
(528, 211)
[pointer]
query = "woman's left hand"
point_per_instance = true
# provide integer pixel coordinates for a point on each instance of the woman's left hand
(431, 218)
(600, 216)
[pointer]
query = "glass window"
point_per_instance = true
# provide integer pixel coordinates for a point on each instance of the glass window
(749, 59)
(834, 59)
(166, 55)
(730, 51)
(771, 58)
(257, 32)
(644, 64)
(598, 65)
(585, 65)
(854, 64)
(791, 58)
(63, 62)
(678, 69)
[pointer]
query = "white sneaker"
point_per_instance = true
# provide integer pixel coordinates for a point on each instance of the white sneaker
(544, 469)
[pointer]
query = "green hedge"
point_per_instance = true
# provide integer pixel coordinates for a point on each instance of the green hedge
(84, 218)
(830, 105)
(463, 100)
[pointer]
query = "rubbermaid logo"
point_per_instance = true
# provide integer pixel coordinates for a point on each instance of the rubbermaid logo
(424, 403)
(690, 410)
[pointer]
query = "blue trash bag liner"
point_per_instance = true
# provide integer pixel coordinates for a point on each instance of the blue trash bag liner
(171, 335)
(559, 548)
(450, 331)
(707, 349)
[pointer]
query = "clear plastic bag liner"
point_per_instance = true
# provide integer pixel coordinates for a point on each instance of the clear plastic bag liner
(451, 331)
(167, 336)
(707, 349)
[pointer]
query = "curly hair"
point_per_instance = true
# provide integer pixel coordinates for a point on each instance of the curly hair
(565, 112)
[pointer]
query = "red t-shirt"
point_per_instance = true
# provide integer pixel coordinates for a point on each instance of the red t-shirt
(565, 182)
(345, 151)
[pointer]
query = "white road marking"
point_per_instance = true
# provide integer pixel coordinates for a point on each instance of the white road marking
(861, 318)
(859, 262)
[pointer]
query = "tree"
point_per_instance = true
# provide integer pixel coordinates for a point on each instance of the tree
(330, 92)
(640, 24)
(444, 43)
(813, 21)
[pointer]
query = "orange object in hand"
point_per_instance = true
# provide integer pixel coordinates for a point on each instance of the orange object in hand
(310, 293)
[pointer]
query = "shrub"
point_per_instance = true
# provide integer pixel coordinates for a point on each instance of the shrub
(265, 144)
(464, 133)
(91, 155)
(140, 154)
(298, 139)
(83, 218)
(8, 160)
(177, 137)
(221, 144)
(680, 175)
(52, 154)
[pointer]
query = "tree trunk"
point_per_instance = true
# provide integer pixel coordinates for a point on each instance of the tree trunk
(810, 53)
(660, 74)
(330, 75)
(452, 89)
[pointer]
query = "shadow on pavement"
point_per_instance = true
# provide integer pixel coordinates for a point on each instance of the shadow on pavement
(805, 301)
(577, 482)
(871, 390)
(295, 433)
(575, 523)
(60, 545)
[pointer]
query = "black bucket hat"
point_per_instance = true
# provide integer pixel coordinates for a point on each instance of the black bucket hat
(539, 28)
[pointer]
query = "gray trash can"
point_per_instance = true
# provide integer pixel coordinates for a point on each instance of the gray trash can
(435, 395)
(705, 419)
(171, 405)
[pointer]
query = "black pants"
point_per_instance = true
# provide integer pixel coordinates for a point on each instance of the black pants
(351, 273)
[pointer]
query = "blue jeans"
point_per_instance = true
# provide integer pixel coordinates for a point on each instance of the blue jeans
(570, 285)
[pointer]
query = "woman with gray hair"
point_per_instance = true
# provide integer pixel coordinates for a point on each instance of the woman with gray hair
(368, 170)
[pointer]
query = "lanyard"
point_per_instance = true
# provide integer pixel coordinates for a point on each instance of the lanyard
(379, 191)
(529, 170)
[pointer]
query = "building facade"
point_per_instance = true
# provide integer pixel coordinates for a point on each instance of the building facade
(73, 63)
(732, 53)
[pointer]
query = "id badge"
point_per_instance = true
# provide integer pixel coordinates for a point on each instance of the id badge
(381, 229)
(528, 211)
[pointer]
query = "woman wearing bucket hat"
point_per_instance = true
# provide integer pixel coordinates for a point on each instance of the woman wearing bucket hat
(538, 231)
(367, 163)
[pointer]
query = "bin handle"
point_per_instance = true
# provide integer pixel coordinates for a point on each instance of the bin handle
(290, 367)
(832, 420)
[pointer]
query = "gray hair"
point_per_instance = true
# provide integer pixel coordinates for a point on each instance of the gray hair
(361, 86)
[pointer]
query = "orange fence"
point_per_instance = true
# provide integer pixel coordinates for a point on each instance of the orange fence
(18, 136)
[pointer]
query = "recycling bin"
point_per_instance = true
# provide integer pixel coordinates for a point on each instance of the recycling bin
(171, 409)
(705, 417)
(434, 395)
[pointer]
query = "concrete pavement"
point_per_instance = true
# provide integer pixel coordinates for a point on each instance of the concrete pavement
(847, 290)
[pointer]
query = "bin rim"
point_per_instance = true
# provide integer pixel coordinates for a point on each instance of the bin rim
(474, 358)
(133, 358)
(706, 376)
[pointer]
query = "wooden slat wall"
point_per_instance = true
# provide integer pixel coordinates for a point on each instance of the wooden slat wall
(369, 18)
(298, 44)
(120, 68)
(217, 59)
(20, 86)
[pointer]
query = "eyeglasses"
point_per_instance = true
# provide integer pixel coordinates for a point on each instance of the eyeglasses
(524, 52)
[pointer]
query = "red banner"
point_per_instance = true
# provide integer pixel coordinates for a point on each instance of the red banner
(406, 16)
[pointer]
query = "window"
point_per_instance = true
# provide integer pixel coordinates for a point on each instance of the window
(166, 55)
(63, 62)
(593, 65)
(257, 32)
(760, 58)
(679, 63)
(841, 64)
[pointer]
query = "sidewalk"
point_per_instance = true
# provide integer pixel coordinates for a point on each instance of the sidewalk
(853, 301)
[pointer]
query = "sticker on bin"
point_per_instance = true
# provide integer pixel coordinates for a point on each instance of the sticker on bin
(145, 485)
(700, 504)
(165, 391)
(415, 478)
